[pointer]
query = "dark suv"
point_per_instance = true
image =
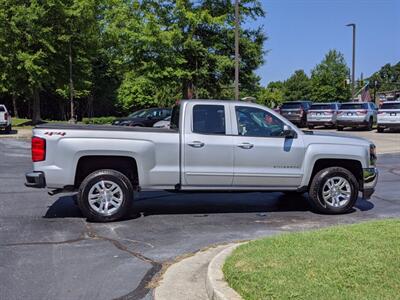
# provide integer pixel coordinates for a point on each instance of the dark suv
(144, 117)
(296, 112)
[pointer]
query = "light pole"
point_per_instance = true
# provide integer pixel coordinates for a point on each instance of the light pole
(353, 65)
(237, 24)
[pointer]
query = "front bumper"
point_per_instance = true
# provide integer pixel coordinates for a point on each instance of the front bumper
(370, 179)
(35, 180)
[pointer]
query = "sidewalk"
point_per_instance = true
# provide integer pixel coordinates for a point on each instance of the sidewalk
(198, 277)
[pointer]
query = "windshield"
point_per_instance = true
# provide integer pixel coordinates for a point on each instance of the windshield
(291, 105)
(138, 114)
(322, 106)
(391, 105)
(354, 106)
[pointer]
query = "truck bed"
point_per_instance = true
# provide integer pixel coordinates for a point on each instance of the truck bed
(61, 126)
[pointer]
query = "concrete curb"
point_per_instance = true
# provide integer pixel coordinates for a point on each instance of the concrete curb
(216, 286)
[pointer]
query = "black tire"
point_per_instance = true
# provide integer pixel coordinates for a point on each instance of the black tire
(110, 176)
(316, 189)
(339, 128)
(8, 129)
(310, 126)
(380, 129)
(370, 124)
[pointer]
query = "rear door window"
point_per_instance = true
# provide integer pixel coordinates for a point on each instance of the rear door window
(209, 119)
(2, 109)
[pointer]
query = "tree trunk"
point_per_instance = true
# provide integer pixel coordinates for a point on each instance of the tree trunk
(36, 106)
(187, 89)
(90, 111)
(15, 108)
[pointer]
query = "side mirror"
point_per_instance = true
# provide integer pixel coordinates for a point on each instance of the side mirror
(288, 132)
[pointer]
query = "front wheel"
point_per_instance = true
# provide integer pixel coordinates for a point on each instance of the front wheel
(105, 195)
(333, 190)
(339, 128)
(8, 129)
(380, 129)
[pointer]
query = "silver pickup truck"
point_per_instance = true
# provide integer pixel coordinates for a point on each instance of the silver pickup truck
(211, 145)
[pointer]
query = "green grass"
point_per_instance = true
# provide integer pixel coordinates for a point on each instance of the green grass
(345, 262)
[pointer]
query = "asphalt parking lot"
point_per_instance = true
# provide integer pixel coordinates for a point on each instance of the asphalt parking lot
(49, 251)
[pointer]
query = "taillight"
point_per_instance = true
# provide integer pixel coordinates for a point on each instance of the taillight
(329, 112)
(381, 112)
(38, 149)
(6, 116)
(361, 112)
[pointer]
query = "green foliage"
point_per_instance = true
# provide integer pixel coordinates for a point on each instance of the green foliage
(273, 95)
(328, 79)
(297, 87)
(125, 54)
(387, 78)
(98, 120)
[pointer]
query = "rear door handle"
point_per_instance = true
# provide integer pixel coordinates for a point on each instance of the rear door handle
(196, 144)
(245, 145)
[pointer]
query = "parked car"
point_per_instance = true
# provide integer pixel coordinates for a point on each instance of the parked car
(211, 145)
(296, 112)
(389, 115)
(322, 114)
(356, 114)
(163, 123)
(5, 119)
(144, 117)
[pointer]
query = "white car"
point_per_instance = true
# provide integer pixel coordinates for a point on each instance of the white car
(389, 115)
(5, 119)
(163, 123)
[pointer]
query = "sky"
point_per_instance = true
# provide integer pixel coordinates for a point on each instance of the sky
(301, 32)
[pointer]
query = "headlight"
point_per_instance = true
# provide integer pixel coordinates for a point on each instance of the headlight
(372, 154)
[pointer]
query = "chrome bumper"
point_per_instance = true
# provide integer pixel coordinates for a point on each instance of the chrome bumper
(370, 179)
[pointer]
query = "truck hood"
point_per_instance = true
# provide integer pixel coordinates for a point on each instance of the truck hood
(311, 137)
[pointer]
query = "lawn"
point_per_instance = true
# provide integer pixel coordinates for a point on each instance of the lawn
(359, 261)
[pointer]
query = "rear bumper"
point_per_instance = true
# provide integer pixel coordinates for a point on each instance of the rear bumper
(35, 180)
(322, 122)
(388, 125)
(370, 178)
(352, 123)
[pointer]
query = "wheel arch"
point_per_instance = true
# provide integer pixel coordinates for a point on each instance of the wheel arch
(87, 164)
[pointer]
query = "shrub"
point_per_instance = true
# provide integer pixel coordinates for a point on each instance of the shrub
(98, 120)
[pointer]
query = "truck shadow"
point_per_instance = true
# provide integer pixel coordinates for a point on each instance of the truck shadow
(162, 203)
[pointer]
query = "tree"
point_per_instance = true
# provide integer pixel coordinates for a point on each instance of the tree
(328, 79)
(272, 95)
(297, 86)
(181, 49)
(387, 78)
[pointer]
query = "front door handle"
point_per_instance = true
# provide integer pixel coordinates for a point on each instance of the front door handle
(196, 144)
(245, 145)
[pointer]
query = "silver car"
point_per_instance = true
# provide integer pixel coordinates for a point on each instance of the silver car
(357, 114)
(389, 115)
(322, 114)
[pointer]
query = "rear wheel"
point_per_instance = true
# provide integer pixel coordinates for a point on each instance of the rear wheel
(333, 190)
(380, 129)
(105, 195)
(310, 126)
(8, 129)
(339, 128)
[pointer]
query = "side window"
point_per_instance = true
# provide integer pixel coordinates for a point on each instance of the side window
(209, 119)
(257, 122)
